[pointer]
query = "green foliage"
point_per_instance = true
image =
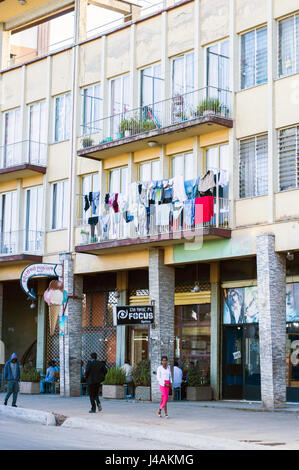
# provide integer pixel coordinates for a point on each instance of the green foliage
(195, 378)
(115, 376)
(142, 374)
(87, 142)
(209, 104)
(148, 125)
(29, 374)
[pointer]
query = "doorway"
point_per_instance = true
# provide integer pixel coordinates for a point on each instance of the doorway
(138, 344)
(241, 362)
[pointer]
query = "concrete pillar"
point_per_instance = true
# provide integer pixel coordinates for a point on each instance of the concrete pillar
(41, 325)
(122, 286)
(161, 291)
(81, 20)
(215, 330)
(70, 345)
(4, 47)
(271, 279)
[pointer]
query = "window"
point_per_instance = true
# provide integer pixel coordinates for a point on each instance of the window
(254, 166)
(217, 158)
(254, 58)
(91, 109)
(183, 74)
(62, 117)
(120, 101)
(151, 93)
(288, 47)
(218, 71)
(12, 152)
(60, 205)
(149, 171)
(34, 221)
(288, 146)
(37, 133)
(89, 183)
(118, 180)
(8, 221)
(182, 165)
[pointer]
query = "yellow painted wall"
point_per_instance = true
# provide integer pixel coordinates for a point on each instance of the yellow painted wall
(56, 241)
(250, 13)
(85, 263)
(286, 101)
(146, 154)
(11, 89)
(284, 7)
(214, 24)
(115, 162)
(90, 62)
(36, 82)
(86, 165)
(61, 72)
(12, 272)
(252, 211)
(34, 181)
(8, 186)
(213, 138)
(251, 111)
(287, 205)
(185, 145)
(118, 52)
(148, 41)
(180, 31)
(59, 161)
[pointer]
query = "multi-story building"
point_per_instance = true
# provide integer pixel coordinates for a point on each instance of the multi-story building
(100, 129)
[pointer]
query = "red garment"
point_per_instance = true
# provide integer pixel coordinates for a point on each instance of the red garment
(204, 209)
(115, 203)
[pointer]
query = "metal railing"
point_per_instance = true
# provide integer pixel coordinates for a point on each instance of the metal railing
(21, 241)
(19, 153)
(208, 101)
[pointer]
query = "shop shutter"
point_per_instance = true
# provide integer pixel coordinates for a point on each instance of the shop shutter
(288, 151)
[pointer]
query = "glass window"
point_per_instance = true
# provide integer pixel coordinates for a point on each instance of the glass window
(34, 221)
(151, 85)
(288, 147)
(89, 183)
(118, 180)
(149, 171)
(253, 168)
(60, 205)
(120, 102)
(182, 165)
(288, 46)
(218, 71)
(37, 133)
(12, 154)
(292, 355)
(9, 215)
(183, 74)
(254, 58)
(91, 109)
(62, 117)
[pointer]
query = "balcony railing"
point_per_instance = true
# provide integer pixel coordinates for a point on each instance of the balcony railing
(21, 242)
(21, 153)
(208, 101)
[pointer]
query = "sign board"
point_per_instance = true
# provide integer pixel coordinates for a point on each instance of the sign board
(237, 355)
(63, 325)
(134, 315)
(38, 270)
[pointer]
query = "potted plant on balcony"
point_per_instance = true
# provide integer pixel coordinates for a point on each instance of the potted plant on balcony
(208, 106)
(142, 380)
(148, 125)
(197, 389)
(87, 142)
(125, 127)
(84, 237)
(30, 378)
(113, 385)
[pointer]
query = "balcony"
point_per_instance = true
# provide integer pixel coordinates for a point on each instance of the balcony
(114, 233)
(22, 160)
(22, 245)
(198, 112)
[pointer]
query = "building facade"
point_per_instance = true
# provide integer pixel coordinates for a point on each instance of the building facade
(156, 157)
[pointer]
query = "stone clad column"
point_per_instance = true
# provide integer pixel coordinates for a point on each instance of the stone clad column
(161, 291)
(42, 317)
(122, 286)
(70, 345)
(215, 329)
(271, 279)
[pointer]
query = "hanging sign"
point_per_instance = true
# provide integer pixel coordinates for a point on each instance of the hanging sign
(38, 270)
(134, 315)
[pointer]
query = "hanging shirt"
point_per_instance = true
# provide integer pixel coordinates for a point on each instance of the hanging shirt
(204, 209)
(191, 187)
(189, 212)
(162, 214)
(206, 182)
(179, 193)
(95, 201)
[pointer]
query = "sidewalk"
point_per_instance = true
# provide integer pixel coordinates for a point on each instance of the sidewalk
(240, 422)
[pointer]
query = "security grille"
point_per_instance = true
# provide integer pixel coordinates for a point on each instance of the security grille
(288, 149)
(52, 345)
(188, 286)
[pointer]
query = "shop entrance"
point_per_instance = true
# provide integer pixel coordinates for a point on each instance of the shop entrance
(241, 362)
(138, 344)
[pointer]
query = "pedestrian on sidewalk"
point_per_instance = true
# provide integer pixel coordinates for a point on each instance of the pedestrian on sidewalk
(95, 374)
(165, 383)
(12, 377)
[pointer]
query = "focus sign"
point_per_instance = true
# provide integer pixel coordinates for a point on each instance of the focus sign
(134, 315)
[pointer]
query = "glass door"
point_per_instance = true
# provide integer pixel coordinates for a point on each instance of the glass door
(252, 375)
(139, 345)
(233, 362)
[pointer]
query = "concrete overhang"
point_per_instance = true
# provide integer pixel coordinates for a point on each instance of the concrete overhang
(21, 171)
(10, 260)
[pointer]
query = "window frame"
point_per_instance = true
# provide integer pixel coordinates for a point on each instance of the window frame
(151, 168)
(255, 137)
(296, 53)
(296, 157)
(180, 155)
(265, 26)
(65, 204)
(184, 56)
(66, 117)
(83, 105)
(120, 169)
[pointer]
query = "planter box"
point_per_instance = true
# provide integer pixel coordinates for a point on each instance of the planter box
(143, 393)
(113, 391)
(30, 387)
(203, 393)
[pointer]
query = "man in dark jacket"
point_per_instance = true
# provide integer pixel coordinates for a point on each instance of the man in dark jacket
(12, 377)
(95, 374)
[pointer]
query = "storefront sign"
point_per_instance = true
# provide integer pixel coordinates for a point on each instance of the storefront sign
(134, 315)
(38, 270)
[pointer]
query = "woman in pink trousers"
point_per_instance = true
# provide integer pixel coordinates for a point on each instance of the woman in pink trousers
(165, 383)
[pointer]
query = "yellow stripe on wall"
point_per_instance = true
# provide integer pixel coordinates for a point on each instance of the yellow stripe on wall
(181, 298)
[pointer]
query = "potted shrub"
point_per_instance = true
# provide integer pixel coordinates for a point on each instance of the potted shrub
(87, 142)
(142, 380)
(84, 237)
(148, 125)
(124, 127)
(197, 390)
(208, 106)
(30, 379)
(113, 385)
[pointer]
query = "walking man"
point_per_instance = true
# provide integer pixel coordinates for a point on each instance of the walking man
(95, 374)
(12, 377)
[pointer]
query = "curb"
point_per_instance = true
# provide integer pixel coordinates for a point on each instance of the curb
(154, 433)
(35, 416)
